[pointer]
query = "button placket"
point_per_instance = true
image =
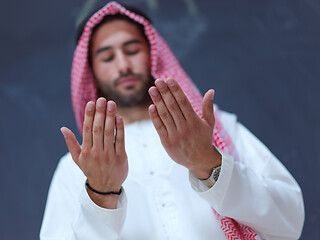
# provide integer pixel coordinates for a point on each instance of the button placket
(166, 206)
(158, 165)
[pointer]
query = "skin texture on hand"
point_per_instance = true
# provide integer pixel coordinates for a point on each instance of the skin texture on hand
(102, 157)
(186, 137)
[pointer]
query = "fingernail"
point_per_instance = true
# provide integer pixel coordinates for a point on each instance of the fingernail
(99, 102)
(118, 119)
(90, 106)
(160, 84)
(110, 106)
(170, 82)
(152, 108)
(154, 92)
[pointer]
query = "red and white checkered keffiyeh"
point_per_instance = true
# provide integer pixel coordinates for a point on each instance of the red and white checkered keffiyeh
(163, 65)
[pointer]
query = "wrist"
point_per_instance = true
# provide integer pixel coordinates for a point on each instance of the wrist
(108, 201)
(210, 161)
(102, 186)
(102, 193)
(213, 177)
(202, 174)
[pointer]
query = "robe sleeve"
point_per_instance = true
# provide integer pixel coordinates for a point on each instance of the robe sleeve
(257, 191)
(70, 215)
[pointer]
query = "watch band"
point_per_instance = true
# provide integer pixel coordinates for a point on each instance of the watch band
(213, 178)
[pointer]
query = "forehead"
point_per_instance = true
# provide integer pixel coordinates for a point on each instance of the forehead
(115, 33)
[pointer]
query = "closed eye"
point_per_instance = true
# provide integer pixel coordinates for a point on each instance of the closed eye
(109, 59)
(132, 52)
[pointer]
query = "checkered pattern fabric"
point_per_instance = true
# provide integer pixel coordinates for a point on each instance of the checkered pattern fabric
(163, 65)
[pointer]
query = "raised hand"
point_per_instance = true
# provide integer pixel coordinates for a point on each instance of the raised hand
(102, 157)
(186, 137)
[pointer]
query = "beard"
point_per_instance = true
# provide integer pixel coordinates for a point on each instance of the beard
(134, 97)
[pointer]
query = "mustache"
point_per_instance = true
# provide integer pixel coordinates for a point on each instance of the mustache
(135, 75)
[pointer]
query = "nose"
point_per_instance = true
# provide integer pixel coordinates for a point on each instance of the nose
(123, 63)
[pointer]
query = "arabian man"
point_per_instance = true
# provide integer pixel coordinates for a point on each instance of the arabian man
(158, 160)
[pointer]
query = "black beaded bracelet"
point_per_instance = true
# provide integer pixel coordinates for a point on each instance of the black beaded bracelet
(102, 193)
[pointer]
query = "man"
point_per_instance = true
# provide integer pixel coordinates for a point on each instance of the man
(144, 142)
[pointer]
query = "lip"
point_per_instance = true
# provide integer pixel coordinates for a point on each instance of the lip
(127, 81)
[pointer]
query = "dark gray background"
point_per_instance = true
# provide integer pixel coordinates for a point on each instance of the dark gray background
(262, 57)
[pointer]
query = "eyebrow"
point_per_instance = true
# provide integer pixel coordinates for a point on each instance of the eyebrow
(132, 41)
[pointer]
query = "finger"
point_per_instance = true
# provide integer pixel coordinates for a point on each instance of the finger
(162, 110)
(72, 143)
(87, 124)
(119, 138)
(158, 124)
(207, 107)
(109, 126)
(181, 98)
(98, 123)
(170, 103)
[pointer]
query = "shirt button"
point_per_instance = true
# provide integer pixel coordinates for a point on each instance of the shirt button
(151, 172)
(163, 205)
(144, 145)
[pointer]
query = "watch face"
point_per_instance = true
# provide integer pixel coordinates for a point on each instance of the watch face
(216, 173)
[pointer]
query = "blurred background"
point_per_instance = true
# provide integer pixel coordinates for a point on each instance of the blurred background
(261, 57)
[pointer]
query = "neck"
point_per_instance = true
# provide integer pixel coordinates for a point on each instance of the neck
(133, 114)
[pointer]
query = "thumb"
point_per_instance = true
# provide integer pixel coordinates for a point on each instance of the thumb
(207, 107)
(72, 143)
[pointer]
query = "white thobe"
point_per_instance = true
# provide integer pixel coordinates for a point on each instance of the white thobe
(162, 200)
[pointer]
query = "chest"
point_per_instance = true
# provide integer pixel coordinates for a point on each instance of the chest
(161, 201)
